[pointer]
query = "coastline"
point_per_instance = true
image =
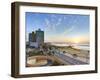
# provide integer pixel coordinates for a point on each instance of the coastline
(73, 52)
(66, 51)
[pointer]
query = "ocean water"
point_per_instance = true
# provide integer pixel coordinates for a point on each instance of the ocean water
(78, 46)
(82, 47)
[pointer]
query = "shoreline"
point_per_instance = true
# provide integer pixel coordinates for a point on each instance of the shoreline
(79, 54)
(70, 51)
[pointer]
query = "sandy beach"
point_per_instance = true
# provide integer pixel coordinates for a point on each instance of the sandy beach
(79, 54)
(64, 55)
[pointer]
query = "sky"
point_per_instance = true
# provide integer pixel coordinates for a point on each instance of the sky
(72, 28)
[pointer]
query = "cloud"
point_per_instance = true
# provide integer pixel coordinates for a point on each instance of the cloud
(53, 23)
(58, 22)
(68, 30)
(53, 26)
(47, 24)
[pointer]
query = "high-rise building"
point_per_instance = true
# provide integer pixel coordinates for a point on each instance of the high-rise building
(36, 38)
(30, 37)
(39, 36)
(33, 37)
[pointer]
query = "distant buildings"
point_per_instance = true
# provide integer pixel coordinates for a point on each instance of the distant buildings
(39, 36)
(36, 38)
(30, 37)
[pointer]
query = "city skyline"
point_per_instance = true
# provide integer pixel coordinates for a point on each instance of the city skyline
(59, 27)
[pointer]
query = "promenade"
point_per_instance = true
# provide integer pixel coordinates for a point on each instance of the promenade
(67, 59)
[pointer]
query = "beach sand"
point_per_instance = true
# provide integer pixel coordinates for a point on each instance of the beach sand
(79, 54)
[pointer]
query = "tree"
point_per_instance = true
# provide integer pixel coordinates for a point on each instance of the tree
(75, 55)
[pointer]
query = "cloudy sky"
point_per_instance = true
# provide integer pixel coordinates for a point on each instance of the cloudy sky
(59, 27)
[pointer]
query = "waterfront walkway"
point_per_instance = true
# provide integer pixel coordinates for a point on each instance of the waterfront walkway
(67, 59)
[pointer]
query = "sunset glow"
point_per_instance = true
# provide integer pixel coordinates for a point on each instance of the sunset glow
(59, 27)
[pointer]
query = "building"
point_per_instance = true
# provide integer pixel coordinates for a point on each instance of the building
(36, 38)
(33, 37)
(30, 37)
(39, 36)
(34, 44)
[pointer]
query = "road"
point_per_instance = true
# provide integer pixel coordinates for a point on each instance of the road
(68, 59)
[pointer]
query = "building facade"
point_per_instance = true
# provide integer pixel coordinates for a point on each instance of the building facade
(30, 37)
(39, 36)
(33, 37)
(36, 38)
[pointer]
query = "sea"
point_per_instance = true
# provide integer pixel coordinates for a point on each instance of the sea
(78, 46)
